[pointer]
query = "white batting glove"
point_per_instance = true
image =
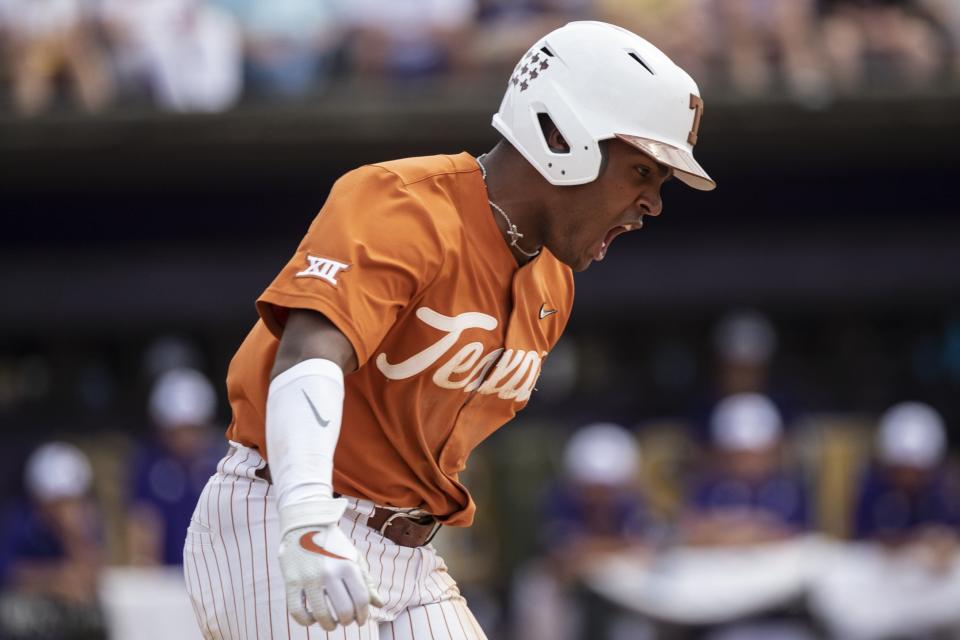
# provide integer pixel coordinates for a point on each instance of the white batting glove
(326, 579)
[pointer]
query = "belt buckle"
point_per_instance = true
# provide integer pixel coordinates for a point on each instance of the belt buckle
(433, 532)
(403, 514)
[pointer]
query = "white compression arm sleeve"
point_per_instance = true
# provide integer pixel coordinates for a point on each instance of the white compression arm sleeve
(304, 409)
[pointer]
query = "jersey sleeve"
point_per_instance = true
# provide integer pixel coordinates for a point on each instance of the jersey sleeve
(372, 249)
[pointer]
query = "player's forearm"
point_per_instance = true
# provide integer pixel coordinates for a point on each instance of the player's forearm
(304, 409)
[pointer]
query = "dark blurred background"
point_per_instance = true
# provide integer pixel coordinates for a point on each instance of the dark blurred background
(160, 160)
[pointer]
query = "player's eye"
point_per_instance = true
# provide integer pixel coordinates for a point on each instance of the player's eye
(643, 171)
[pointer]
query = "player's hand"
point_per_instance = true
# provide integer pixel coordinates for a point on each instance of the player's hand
(326, 579)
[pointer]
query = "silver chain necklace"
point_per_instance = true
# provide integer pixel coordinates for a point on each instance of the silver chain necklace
(512, 230)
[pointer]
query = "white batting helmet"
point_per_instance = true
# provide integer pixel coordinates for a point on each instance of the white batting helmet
(597, 81)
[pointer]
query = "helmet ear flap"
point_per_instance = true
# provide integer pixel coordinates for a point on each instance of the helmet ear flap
(576, 162)
(579, 161)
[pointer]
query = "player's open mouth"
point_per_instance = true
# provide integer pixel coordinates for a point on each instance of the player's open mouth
(611, 234)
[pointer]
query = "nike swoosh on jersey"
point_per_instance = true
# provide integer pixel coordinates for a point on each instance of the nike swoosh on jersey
(307, 543)
(544, 312)
(316, 414)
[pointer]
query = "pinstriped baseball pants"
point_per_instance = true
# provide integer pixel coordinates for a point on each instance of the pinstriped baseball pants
(233, 576)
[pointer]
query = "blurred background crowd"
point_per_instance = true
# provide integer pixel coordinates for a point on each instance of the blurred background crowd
(206, 55)
(749, 429)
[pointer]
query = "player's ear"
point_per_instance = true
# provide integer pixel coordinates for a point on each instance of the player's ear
(552, 135)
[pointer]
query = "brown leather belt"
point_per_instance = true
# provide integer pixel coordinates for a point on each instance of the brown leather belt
(405, 529)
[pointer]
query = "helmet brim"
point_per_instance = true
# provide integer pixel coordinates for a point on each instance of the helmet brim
(685, 168)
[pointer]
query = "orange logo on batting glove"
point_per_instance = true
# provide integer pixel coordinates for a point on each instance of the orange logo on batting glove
(307, 543)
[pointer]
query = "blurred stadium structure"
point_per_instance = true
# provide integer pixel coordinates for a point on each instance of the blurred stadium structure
(159, 160)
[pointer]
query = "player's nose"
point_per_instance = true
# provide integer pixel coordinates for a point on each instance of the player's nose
(649, 204)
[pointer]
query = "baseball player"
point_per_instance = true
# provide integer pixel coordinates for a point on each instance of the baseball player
(410, 324)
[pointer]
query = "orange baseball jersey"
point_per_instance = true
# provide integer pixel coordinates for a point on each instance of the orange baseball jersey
(406, 259)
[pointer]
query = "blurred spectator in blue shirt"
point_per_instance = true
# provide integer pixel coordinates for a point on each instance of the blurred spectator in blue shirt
(745, 344)
(289, 45)
(53, 551)
(505, 28)
(902, 578)
(908, 495)
(595, 508)
(407, 38)
(746, 495)
(597, 505)
(170, 472)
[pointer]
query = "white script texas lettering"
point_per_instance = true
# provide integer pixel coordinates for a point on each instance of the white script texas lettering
(513, 377)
